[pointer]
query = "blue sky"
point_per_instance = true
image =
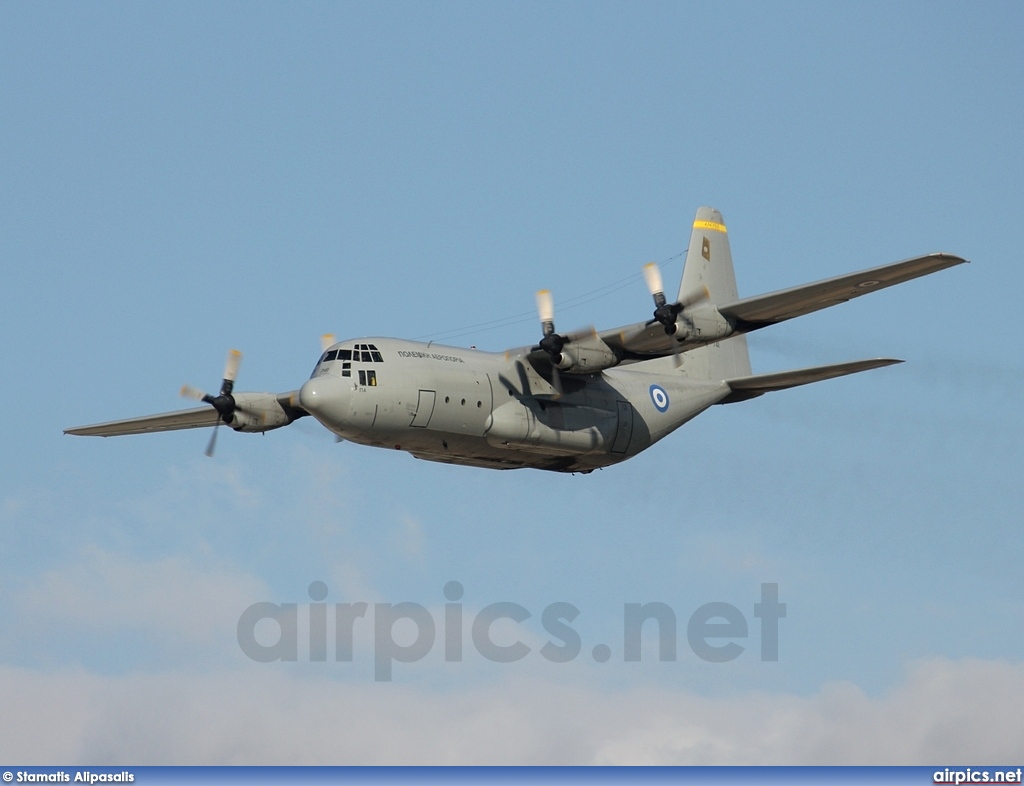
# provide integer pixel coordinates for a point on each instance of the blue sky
(177, 180)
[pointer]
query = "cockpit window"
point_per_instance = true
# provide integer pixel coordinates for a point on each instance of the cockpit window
(360, 353)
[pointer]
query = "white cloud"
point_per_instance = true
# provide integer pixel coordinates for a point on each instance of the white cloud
(171, 598)
(408, 540)
(944, 711)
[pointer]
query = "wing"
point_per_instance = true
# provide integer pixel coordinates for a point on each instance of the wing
(645, 340)
(640, 341)
(754, 312)
(169, 421)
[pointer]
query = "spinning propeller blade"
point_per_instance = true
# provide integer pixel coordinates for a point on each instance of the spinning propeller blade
(224, 402)
(552, 343)
(668, 313)
(652, 275)
(213, 441)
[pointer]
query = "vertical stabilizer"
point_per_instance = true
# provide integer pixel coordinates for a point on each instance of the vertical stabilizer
(708, 260)
(709, 269)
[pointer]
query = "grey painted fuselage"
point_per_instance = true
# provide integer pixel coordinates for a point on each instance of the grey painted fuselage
(465, 406)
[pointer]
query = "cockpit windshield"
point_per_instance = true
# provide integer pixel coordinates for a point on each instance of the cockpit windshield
(360, 353)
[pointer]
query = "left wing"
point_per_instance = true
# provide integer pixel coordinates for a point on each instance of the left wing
(169, 421)
(250, 412)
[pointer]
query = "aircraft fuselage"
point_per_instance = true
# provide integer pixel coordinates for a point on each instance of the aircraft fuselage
(466, 406)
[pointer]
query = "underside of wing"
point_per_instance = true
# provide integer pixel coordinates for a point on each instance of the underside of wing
(744, 388)
(755, 312)
(169, 421)
(641, 341)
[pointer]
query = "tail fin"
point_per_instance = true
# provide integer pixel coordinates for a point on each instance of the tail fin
(709, 269)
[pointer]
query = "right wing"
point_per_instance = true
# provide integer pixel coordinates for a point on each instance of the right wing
(755, 312)
(169, 421)
(646, 340)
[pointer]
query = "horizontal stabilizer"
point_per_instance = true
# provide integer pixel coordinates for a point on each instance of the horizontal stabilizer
(744, 388)
(753, 312)
(169, 421)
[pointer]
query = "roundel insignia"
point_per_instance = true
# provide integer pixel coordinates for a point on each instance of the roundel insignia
(659, 398)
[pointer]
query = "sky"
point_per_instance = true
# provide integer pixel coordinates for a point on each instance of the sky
(181, 179)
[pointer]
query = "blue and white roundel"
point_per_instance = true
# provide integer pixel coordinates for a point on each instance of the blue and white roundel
(659, 398)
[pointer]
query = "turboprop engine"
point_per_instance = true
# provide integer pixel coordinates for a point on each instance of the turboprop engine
(248, 412)
(255, 412)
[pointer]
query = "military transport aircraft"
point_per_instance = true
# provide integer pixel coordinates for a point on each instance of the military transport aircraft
(572, 402)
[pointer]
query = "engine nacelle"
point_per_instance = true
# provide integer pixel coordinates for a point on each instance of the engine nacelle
(258, 412)
(587, 355)
(566, 360)
(703, 323)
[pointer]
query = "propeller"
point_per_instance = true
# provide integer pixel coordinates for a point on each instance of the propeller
(224, 402)
(668, 313)
(552, 343)
(664, 312)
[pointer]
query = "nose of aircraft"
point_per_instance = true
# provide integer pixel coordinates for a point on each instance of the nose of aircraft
(322, 397)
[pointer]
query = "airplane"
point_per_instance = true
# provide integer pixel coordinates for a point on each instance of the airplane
(572, 402)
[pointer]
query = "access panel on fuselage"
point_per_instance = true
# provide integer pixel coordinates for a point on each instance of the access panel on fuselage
(424, 408)
(623, 428)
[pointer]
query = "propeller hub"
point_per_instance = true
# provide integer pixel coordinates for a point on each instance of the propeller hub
(667, 314)
(553, 343)
(225, 406)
